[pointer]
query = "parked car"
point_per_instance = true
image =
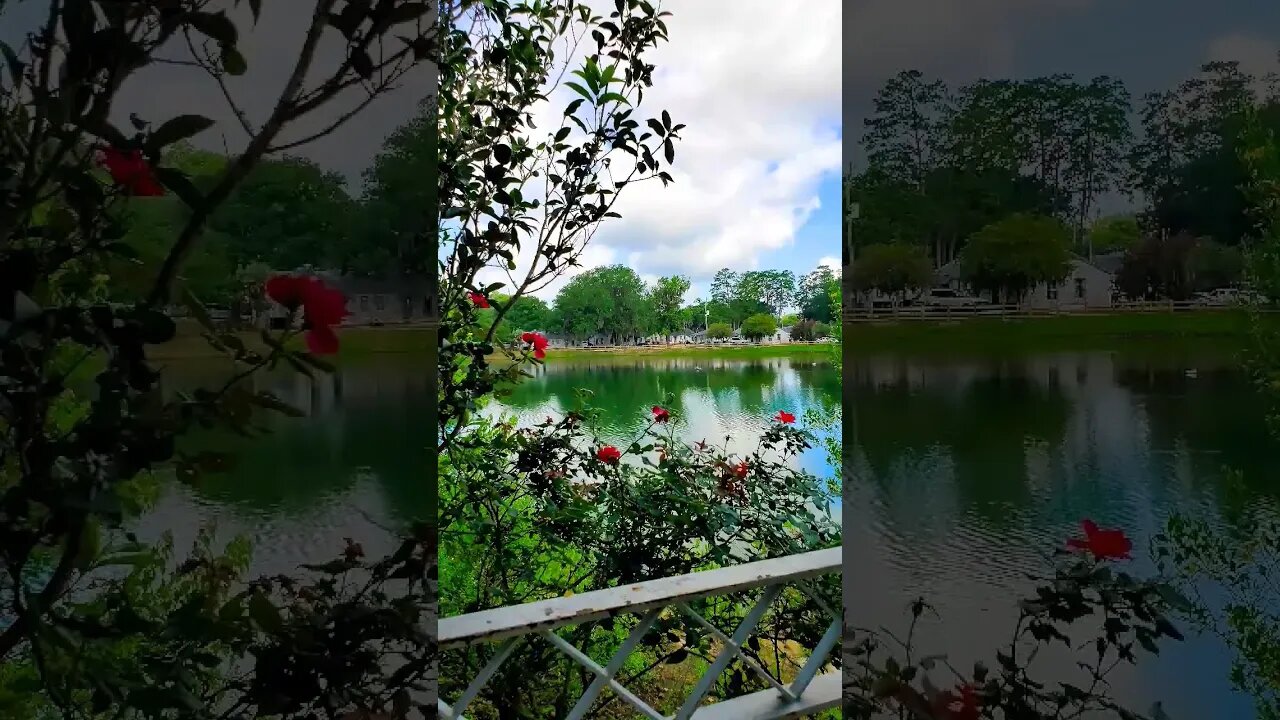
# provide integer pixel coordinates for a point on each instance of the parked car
(1227, 296)
(946, 297)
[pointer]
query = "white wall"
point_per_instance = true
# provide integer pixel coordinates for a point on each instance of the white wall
(1097, 290)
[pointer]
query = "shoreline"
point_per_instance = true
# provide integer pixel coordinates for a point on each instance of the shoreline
(1228, 328)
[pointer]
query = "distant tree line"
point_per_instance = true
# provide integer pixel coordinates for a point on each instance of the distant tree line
(1012, 173)
(290, 213)
(613, 302)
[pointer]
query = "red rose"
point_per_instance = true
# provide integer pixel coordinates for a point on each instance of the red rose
(538, 341)
(784, 417)
(959, 704)
(740, 470)
(131, 171)
(609, 454)
(478, 300)
(660, 414)
(1102, 544)
(322, 308)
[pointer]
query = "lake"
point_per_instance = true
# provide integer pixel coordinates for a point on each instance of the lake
(963, 472)
(966, 473)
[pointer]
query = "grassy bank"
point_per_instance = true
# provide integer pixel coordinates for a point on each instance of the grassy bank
(745, 352)
(353, 342)
(1228, 328)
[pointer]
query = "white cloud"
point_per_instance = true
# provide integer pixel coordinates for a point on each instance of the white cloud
(757, 84)
(1256, 55)
(831, 262)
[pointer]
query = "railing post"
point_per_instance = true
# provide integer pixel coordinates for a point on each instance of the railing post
(726, 655)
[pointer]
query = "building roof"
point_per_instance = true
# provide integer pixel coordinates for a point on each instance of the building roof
(1109, 262)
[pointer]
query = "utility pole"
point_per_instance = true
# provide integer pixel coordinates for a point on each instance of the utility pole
(852, 211)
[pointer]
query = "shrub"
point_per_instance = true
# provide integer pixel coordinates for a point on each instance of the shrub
(719, 331)
(759, 326)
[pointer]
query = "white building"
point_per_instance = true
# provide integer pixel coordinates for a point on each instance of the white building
(1086, 286)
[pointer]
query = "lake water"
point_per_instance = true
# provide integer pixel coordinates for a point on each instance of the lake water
(966, 473)
(963, 472)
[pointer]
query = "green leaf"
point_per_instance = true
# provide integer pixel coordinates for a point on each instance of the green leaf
(362, 63)
(181, 185)
(106, 131)
(157, 327)
(580, 90)
(255, 7)
(265, 613)
(614, 97)
(16, 66)
(232, 61)
(90, 544)
(216, 26)
(178, 128)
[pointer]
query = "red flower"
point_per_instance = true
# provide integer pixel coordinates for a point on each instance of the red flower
(784, 417)
(478, 300)
(131, 171)
(609, 454)
(538, 341)
(1103, 544)
(322, 308)
(660, 414)
(740, 470)
(959, 704)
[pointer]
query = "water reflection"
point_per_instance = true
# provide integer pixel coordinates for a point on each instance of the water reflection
(720, 401)
(965, 472)
(356, 462)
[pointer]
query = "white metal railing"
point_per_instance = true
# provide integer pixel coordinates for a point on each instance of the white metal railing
(807, 693)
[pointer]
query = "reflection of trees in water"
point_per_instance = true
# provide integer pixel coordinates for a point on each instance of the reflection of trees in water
(368, 417)
(1212, 422)
(1066, 426)
(622, 393)
(982, 425)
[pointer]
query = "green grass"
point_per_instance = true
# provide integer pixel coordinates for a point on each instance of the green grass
(1230, 328)
(663, 351)
(352, 342)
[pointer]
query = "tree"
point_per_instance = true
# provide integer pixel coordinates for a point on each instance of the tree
(719, 330)
(895, 270)
(815, 294)
(288, 213)
(805, 330)
(772, 289)
(759, 326)
(735, 296)
(523, 314)
(394, 199)
(1008, 258)
(1214, 265)
(603, 301)
(1116, 233)
(1159, 267)
(905, 137)
(664, 302)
